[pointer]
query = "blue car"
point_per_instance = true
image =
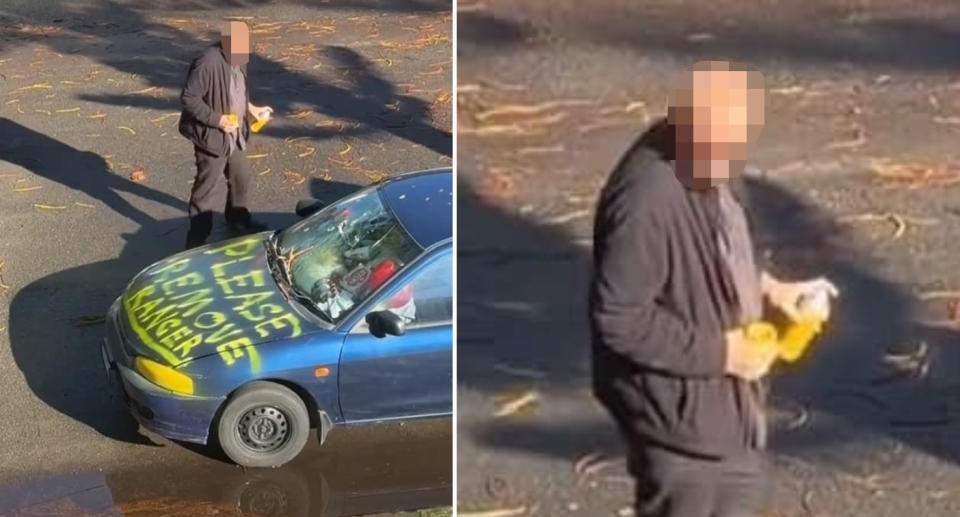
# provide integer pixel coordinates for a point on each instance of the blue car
(343, 318)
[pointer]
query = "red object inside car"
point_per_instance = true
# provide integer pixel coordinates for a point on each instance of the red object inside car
(381, 273)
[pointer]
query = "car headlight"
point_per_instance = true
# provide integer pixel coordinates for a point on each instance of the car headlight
(164, 376)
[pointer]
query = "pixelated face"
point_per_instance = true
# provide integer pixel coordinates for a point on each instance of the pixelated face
(235, 40)
(716, 112)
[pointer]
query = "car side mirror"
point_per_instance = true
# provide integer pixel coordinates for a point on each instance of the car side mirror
(308, 207)
(384, 323)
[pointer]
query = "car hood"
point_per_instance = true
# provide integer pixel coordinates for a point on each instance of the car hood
(218, 299)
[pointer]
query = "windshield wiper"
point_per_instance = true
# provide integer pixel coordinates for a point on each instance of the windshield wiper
(278, 266)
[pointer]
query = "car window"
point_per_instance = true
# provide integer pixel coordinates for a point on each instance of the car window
(425, 300)
(341, 255)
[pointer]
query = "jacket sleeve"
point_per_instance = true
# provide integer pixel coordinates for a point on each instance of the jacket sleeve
(198, 80)
(631, 271)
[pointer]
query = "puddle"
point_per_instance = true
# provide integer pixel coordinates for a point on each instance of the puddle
(360, 471)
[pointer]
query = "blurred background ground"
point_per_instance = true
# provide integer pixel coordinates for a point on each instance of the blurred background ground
(855, 177)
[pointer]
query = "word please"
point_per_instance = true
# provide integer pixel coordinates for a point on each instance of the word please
(181, 312)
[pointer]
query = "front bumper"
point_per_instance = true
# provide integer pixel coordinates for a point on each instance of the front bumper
(169, 414)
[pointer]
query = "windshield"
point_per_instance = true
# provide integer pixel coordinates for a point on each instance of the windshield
(340, 255)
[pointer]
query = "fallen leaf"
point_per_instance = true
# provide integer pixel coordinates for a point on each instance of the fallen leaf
(700, 36)
(163, 117)
(567, 217)
(585, 460)
(899, 221)
(533, 109)
(501, 129)
(515, 404)
(915, 174)
(502, 512)
(540, 150)
(297, 177)
(138, 176)
(37, 86)
(145, 90)
(788, 90)
(933, 295)
(98, 115)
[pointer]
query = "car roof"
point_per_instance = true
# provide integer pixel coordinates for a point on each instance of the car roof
(423, 202)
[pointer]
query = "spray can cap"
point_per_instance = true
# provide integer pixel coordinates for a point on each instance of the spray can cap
(815, 304)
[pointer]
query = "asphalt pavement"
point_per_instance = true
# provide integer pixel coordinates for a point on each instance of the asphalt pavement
(854, 177)
(94, 179)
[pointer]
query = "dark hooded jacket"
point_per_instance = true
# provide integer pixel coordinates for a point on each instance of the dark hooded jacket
(205, 98)
(661, 298)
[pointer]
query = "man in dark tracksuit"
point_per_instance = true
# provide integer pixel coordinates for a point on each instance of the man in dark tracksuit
(216, 102)
(674, 284)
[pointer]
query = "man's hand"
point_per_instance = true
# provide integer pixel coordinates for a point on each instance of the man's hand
(746, 359)
(229, 123)
(260, 112)
(786, 296)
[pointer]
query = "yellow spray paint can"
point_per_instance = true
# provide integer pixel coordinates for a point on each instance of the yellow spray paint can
(798, 334)
(257, 125)
(761, 333)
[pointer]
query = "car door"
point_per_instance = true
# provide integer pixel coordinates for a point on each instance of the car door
(409, 375)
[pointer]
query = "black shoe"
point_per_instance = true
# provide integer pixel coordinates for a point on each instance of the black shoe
(248, 227)
(195, 242)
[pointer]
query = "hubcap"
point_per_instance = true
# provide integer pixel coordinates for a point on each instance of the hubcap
(263, 429)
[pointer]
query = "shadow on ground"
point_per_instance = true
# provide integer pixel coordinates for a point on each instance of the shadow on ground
(522, 320)
(822, 35)
(123, 38)
(82, 171)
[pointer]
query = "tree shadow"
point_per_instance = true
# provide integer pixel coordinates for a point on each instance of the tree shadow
(824, 38)
(57, 348)
(478, 30)
(83, 171)
(370, 101)
(522, 318)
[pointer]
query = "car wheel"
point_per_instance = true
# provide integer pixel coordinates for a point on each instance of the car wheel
(263, 425)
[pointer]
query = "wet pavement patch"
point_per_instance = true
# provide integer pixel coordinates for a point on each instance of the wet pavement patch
(385, 470)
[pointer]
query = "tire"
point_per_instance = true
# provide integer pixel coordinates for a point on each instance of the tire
(263, 424)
